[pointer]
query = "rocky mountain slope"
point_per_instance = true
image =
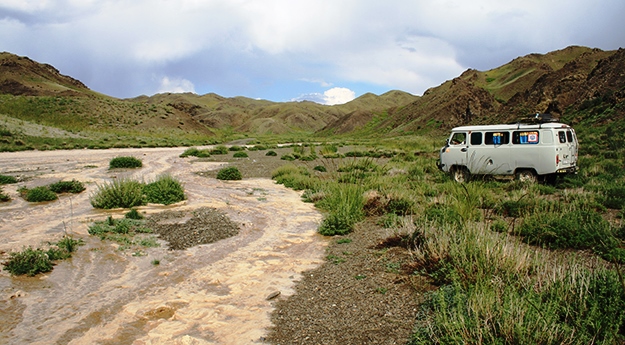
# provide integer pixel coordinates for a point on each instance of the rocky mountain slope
(575, 83)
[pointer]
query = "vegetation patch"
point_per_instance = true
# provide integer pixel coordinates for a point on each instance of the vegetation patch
(229, 173)
(125, 162)
(124, 231)
(31, 261)
(6, 179)
(72, 186)
(126, 193)
(195, 152)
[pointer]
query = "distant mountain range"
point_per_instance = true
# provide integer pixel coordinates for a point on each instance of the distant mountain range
(578, 84)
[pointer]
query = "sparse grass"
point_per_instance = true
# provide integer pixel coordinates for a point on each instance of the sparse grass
(125, 231)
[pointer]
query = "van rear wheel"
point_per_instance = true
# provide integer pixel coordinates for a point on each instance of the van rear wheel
(460, 174)
(525, 175)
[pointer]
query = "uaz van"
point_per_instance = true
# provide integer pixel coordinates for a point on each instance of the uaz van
(530, 151)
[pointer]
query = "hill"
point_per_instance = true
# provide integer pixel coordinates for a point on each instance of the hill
(579, 84)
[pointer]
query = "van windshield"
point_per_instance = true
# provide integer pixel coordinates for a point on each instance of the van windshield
(458, 139)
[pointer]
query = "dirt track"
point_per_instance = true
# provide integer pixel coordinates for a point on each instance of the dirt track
(209, 294)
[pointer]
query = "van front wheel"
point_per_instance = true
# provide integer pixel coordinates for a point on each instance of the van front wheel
(460, 174)
(525, 175)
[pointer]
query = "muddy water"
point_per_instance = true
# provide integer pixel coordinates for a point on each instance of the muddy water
(208, 294)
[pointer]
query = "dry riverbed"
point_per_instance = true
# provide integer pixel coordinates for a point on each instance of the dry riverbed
(265, 277)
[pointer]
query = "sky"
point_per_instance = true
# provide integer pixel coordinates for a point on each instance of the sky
(326, 51)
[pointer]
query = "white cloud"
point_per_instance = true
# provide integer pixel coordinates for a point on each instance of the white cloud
(333, 96)
(260, 48)
(338, 95)
(176, 85)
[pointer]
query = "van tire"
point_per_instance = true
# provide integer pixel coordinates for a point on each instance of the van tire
(525, 175)
(460, 174)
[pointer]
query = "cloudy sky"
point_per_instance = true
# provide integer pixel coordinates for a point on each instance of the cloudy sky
(328, 51)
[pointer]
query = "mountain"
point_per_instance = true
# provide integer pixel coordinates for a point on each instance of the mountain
(578, 84)
(563, 82)
(23, 76)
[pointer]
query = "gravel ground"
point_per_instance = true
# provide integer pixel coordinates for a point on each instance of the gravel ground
(364, 294)
(185, 229)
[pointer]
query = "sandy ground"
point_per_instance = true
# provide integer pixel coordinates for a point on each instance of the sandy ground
(208, 294)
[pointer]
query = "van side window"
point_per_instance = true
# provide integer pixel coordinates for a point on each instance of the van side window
(497, 138)
(569, 136)
(523, 137)
(476, 138)
(562, 136)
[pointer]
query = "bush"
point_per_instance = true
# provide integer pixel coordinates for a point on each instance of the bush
(119, 193)
(165, 190)
(345, 204)
(72, 186)
(240, 154)
(219, 150)
(40, 194)
(236, 148)
(3, 196)
(5, 179)
(133, 214)
(614, 197)
(192, 151)
(271, 153)
(29, 261)
(125, 162)
(580, 229)
(320, 168)
(229, 173)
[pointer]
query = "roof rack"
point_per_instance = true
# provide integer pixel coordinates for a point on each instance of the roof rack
(537, 118)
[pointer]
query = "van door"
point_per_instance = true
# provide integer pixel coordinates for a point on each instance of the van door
(567, 148)
(490, 155)
(456, 153)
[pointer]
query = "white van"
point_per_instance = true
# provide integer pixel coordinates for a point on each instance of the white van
(530, 152)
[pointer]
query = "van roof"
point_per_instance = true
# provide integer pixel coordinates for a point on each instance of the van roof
(508, 127)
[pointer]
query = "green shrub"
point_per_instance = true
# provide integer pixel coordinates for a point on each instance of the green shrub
(240, 154)
(118, 193)
(29, 261)
(271, 153)
(345, 204)
(3, 196)
(69, 244)
(287, 157)
(229, 173)
(219, 150)
(614, 197)
(320, 168)
(72, 186)
(133, 214)
(580, 229)
(165, 190)
(5, 179)
(40, 194)
(195, 152)
(236, 148)
(125, 162)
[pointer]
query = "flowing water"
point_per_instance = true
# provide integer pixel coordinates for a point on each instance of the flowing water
(208, 294)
